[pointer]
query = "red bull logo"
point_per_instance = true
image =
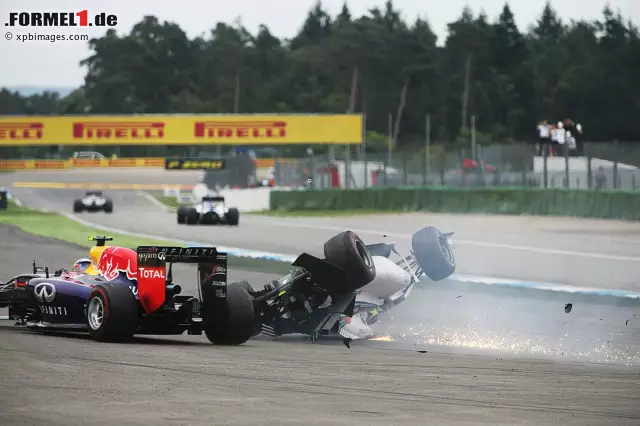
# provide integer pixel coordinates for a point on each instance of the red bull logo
(114, 260)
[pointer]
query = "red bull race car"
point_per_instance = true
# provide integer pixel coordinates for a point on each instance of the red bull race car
(118, 292)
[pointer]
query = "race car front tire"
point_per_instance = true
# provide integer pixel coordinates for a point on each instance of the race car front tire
(108, 206)
(233, 217)
(78, 206)
(235, 324)
(433, 253)
(347, 251)
(112, 313)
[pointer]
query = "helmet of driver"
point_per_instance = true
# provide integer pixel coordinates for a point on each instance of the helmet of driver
(81, 265)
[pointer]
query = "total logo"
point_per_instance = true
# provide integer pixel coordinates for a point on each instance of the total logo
(152, 273)
(45, 292)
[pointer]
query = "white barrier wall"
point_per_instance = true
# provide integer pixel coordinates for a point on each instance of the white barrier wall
(247, 200)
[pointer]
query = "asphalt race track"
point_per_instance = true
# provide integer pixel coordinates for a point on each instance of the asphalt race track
(579, 252)
(451, 355)
(67, 379)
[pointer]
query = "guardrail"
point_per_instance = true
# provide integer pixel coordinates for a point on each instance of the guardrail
(98, 163)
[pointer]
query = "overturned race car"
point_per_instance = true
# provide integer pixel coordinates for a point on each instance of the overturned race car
(124, 292)
(93, 201)
(345, 292)
(209, 210)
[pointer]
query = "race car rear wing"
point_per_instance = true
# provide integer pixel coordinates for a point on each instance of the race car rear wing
(153, 277)
(213, 198)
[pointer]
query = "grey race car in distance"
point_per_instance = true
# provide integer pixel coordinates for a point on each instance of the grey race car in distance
(93, 201)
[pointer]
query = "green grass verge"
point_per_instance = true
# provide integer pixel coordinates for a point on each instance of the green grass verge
(290, 213)
(57, 227)
(169, 201)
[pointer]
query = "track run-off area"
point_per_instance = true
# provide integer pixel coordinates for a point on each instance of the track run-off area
(455, 352)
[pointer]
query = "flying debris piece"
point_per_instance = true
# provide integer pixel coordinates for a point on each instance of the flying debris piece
(346, 341)
(568, 307)
(626, 322)
(459, 297)
(422, 352)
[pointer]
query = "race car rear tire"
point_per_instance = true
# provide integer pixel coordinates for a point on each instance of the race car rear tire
(78, 206)
(233, 216)
(192, 216)
(119, 313)
(108, 206)
(235, 324)
(347, 251)
(182, 215)
(257, 324)
(432, 251)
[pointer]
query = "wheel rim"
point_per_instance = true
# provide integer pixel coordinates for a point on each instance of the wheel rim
(362, 252)
(446, 250)
(95, 313)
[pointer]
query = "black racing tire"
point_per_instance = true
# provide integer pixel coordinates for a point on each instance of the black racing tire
(119, 313)
(108, 206)
(233, 216)
(78, 206)
(257, 324)
(347, 251)
(182, 215)
(236, 324)
(433, 253)
(192, 216)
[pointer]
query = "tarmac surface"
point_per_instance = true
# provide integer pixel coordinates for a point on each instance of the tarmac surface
(578, 252)
(451, 354)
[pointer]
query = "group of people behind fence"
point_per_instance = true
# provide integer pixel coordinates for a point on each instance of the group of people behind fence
(560, 138)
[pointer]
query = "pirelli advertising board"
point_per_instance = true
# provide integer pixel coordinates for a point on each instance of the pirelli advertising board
(181, 130)
(193, 164)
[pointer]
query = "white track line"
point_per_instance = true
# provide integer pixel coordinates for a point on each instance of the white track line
(562, 288)
(155, 201)
(542, 250)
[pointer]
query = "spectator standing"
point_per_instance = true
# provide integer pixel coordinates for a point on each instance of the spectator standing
(558, 139)
(544, 137)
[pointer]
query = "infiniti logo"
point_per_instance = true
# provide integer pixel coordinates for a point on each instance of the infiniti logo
(45, 292)
(162, 256)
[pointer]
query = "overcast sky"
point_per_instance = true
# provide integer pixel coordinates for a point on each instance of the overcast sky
(41, 63)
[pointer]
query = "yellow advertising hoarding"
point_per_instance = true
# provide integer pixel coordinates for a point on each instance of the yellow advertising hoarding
(181, 130)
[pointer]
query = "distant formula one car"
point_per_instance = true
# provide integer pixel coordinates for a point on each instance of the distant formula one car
(93, 201)
(210, 210)
(346, 292)
(124, 292)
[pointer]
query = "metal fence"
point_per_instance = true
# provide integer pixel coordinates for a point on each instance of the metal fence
(600, 165)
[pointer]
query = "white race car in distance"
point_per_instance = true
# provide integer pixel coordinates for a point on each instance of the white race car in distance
(93, 201)
(209, 210)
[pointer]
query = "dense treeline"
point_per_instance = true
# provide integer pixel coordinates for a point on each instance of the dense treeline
(378, 64)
